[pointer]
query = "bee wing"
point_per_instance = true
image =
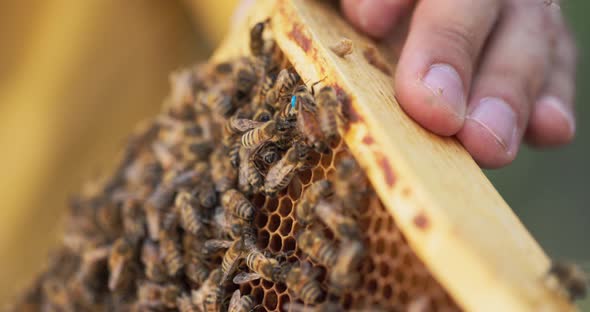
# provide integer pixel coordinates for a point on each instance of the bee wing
(231, 269)
(244, 277)
(235, 298)
(216, 244)
(243, 124)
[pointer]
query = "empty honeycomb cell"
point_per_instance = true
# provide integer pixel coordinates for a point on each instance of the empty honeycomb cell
(294, 190)
(318, 174)
(330, 172)
(245, 288)
(371, 286)
(271, 204)
(267, 284)
(380, 246)
(314, 159)
(270, 300)
(376, 226)
(258, 200)
(383, 267)
(399, 276)
(281, 288)
(364, 224)
(285, 207)
(274, 222)
(263, 239)
(387, 292)
(275, 243)
(283, 302)
(403, 297)
(261, 220)
(289, 244)
(305, 176)
(326, 160)
(286, 226)
(255, 283)
(257, 293)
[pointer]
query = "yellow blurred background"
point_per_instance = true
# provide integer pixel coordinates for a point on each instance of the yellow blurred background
(77, 76)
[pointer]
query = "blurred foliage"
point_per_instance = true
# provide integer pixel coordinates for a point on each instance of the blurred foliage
(549, 189)
(76, 76)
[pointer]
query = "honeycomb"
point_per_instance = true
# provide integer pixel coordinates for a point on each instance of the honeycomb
(392, 277)
(131, 244)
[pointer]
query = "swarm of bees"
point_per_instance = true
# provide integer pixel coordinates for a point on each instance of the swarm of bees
(184, 222)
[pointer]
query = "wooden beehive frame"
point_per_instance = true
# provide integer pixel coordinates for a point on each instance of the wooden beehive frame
(454, 219)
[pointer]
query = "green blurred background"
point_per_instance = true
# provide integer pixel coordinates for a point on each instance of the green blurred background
(76, 76)
(550, 189)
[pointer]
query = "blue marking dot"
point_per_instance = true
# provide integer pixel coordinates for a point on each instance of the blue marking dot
(293, 100)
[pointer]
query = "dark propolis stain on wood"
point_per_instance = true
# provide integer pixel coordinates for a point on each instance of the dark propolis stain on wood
(374, 58)
(387, 170)
(421, 221)
(350, 113)
(368, 139)
(301, 38)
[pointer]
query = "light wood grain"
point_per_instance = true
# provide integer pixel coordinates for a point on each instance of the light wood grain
(451, 214)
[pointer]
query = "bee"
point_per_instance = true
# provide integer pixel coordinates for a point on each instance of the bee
(185, 304)
(234, 153)
(257, 43)
(350, 184)
(330, 113)
(281, 173)
(83, 284)
(170, 248)
(222, 173)
(420, 304)
(270, 131)
(120, 264)
(263, 114)
(327, 306)
(56, 293)
(344, 274)
(244, 171)
(182, 94)
(133, 219)
(247, 73)
(197, 149)
(301, 280)
(154, 295)
(284, 84)
(232, 255)
(219, 98)
(163, 154)
(190, 219)
(235, 125)
(307, 123)
(238, 205)
(239, 303)
(268, 153)
(318, 247)
(343, 47)
(196, 271)
(152, 262)
(255, 178)
(208, 296)
(305, 209)
(261, 266)
(206, 194)
(572, 280)
(343, 227)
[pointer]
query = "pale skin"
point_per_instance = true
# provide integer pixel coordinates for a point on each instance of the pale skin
(494, 73)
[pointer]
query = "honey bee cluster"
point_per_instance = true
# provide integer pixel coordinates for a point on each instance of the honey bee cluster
(241, 196)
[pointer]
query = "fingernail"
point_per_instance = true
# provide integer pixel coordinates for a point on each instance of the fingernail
(560, 108)
(444, 81)
(498, 118)
(377, 17)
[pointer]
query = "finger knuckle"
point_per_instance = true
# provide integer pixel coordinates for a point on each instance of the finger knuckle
(458, 39)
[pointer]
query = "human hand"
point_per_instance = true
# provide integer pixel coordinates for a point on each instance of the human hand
(491, 72)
